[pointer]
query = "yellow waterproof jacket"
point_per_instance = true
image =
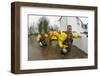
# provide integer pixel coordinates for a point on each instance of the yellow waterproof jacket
(54, 35)
(64, 36)
(39, 36)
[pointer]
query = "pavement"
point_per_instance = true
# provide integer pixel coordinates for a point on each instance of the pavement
(51, 52)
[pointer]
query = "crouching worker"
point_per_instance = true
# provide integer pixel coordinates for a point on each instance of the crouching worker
(66, 40)
(42, 39)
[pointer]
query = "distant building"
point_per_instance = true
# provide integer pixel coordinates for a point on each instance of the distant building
(79, 25)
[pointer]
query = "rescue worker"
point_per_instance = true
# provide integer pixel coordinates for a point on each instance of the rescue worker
(66, 39)
(42, 39)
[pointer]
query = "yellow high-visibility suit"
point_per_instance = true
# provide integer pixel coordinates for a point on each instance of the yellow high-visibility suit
(40, 36)
(60, 37)
(54, 35)
(64, 36)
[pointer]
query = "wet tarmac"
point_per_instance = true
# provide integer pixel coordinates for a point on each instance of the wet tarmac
(35, 52)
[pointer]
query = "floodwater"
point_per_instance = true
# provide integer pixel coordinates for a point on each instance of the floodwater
(35, 52)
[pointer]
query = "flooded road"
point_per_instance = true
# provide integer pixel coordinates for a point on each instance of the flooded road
(35, 52)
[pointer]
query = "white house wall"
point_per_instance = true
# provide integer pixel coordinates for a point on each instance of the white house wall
(81, 43)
